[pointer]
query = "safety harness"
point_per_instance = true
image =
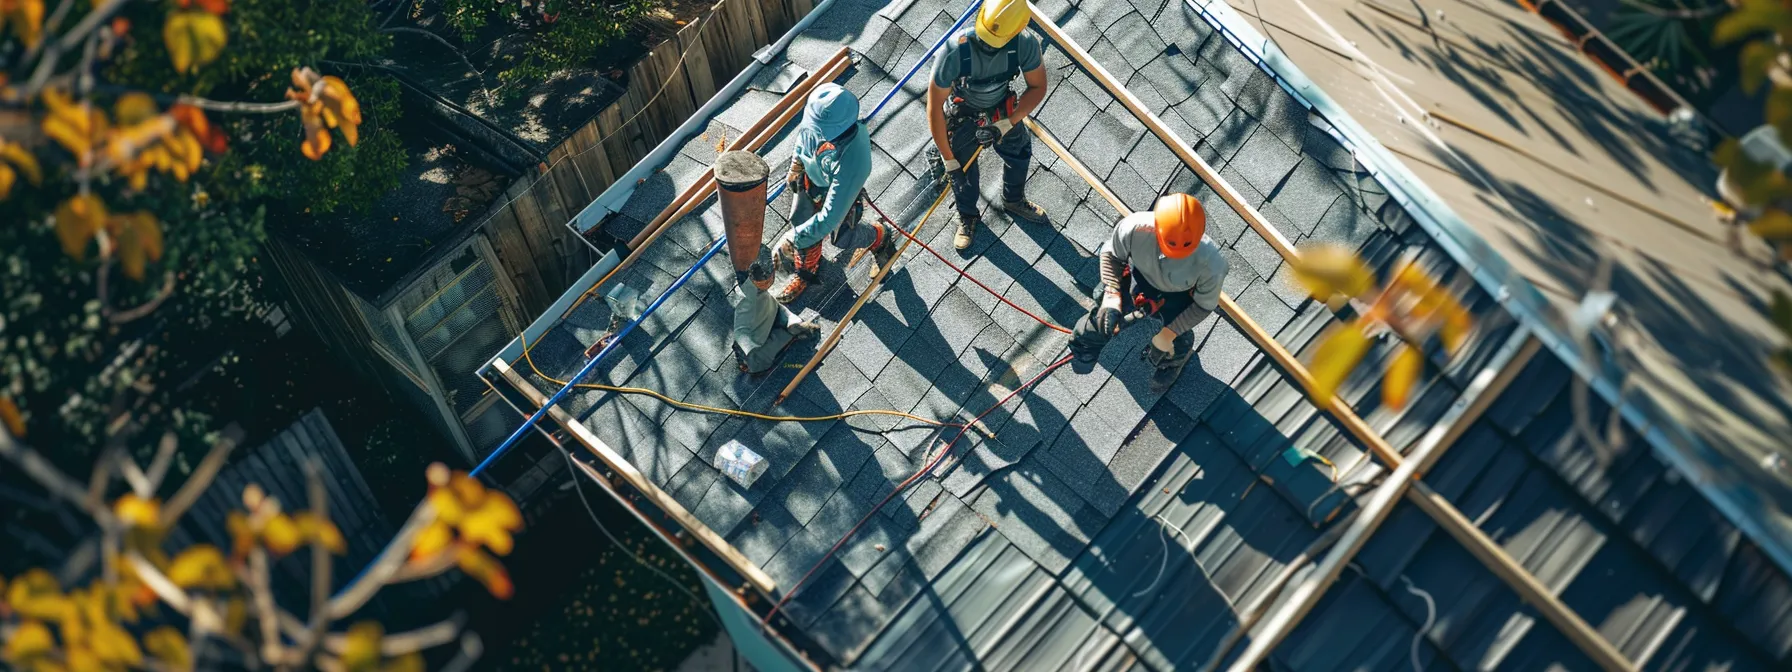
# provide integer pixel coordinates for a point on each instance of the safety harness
(1011, 50)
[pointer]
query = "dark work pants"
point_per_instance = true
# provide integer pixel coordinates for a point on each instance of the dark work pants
(1085, 339)
(1015, 150)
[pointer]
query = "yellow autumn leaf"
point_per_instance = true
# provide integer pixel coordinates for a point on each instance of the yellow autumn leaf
(492, 523)
(26, 18)
(133, 108)
(1457, 324)
(361, 650)
(169, 646)
(201, 566)
(435, 537)
(30, 641)
(77, 126)
(236, 615)
(77, 220)
(15, 160)
(410, 662)
(1326, 270)
(11, 418)
(1402, 375)
(194, 39)
(36, 594)
(317, 529)
(281, 535)
(139, 240)
(1773, 225)
(137, 511)
(1337, 356)
(486, 570)
(113, 645)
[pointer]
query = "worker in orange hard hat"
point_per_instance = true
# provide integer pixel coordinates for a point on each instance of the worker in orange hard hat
(972, 103)
(1157, 264)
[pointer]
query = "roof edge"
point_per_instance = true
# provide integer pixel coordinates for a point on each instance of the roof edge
(1670, 440)
(614, 196)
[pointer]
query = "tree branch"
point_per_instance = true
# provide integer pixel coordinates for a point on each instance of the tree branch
(136, 313)
(320, 565)
(388, 563)
(158, 467)
(47, 475)
(262, 595)
(202, 477)
(159, 583)
(237, 107)
(477, 73)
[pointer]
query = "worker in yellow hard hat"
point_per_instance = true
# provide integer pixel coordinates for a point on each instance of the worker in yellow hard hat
(971, 102)
(1158, 264)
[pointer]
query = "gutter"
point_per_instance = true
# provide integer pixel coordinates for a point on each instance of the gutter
(1671, 441)
(613, 197)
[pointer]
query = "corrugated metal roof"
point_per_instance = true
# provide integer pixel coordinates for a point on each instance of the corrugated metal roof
(1103, 527)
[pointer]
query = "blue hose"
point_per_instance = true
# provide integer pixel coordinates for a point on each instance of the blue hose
(589, 366)
(924, 58)
(714, 248)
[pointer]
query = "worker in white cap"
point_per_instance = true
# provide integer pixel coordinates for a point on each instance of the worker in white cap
(762, 328)
(1160, 264)
(972, 103)
(828, 171)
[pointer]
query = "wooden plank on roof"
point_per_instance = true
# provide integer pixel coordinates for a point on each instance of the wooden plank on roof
(627, 471)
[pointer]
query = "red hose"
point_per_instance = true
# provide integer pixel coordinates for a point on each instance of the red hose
(961, 272)
(924, 471)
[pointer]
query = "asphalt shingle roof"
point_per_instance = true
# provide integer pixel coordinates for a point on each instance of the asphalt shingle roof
(1115, 525)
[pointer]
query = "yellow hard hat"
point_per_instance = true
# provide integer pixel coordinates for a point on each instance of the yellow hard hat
(1000, 20)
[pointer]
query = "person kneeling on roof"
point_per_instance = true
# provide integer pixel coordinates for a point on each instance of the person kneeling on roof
(971, 103)
(1159, 264)
(828, 171)
(762, 328)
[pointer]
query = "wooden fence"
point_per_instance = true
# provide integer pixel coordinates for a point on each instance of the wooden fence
(538, 253)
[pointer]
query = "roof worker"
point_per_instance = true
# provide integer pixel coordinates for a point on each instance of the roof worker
(1159, 264)
(827, 178)
(762, 328)
(971, 103)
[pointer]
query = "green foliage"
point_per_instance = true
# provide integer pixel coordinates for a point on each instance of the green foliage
(1661, 34)
(579, 29)
(616, 614)
(60, 357)
(268, 39)
(1752, 17)
(346, 177)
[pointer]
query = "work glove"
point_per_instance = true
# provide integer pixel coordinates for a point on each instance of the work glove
(1107, 317)
(955, 173)
(990, 133)
(1160, 349)
(795, 177)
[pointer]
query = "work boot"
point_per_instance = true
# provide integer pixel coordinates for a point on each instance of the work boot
(803, 331)
(799, 283)
(1026, 211)
(883, 251)
(806, 264)
(1168, 365)
(967, 230)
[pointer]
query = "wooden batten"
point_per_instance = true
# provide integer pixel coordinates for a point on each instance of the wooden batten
(1506, 366)
(627, 471)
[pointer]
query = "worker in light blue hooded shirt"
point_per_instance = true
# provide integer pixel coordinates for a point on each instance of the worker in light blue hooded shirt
(828, 171)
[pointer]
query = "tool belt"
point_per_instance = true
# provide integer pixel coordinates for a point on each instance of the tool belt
(1150, 300)
(958, 113)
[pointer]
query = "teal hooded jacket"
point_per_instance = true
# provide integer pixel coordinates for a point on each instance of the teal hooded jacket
(841, 171)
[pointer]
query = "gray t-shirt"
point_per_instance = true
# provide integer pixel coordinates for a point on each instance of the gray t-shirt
(946, 68)
(1202, 273)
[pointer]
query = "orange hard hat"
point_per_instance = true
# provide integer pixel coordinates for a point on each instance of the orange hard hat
(1180, 224)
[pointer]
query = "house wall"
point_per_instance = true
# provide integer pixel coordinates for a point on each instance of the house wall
(539, 254)
(523, 239)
